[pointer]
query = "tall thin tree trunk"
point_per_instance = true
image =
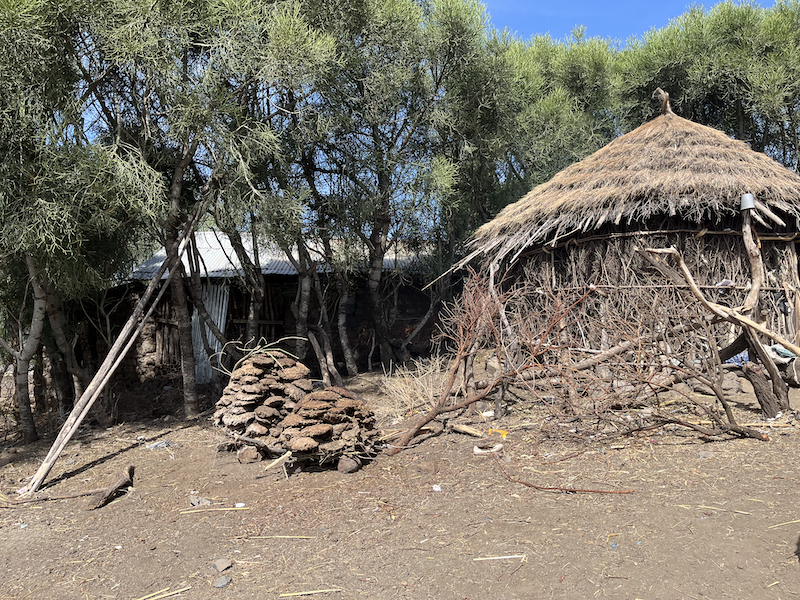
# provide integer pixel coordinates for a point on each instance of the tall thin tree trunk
(62, 383)
(173, 226)
(341, 325)
(376, 301)
(325, 332)
(27, 351)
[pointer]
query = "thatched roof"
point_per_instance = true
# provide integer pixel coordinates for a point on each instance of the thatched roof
(668, 166)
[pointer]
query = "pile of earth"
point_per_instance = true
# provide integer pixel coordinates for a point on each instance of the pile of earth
(271, 404)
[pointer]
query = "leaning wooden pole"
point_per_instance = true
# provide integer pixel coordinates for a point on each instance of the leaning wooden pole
(118, 350)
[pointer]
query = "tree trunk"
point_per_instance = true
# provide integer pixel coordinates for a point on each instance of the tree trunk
(27, 351)
(763, 390)
(299, 309)
(325, 332)
(62, 384)
(172, 230)
(39, 386)
(55, 315)
(341, 325)
(191, 406)
(379, 324)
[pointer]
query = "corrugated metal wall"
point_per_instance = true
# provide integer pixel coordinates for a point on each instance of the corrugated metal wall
(215, 297)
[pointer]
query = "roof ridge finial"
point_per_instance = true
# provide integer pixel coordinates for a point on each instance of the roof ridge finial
(664, 97)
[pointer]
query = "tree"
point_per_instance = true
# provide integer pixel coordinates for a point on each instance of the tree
(66, 202)
(179, 80)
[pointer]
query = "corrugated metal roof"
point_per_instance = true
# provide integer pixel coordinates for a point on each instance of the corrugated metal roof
(219, 261)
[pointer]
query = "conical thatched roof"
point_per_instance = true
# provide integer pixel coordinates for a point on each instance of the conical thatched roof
(668, 166)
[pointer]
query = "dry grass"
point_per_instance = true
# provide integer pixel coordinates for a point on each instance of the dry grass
(413, 388)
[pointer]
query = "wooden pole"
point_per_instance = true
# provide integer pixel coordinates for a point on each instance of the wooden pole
(115, 355)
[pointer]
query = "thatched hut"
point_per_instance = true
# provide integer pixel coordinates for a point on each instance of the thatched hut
(668, 183)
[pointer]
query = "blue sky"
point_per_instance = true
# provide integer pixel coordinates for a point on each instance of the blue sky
(618, 19)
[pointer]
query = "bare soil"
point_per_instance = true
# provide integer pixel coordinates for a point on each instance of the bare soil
(703, 520)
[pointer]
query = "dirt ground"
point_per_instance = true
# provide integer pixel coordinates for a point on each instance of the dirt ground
(702, 519)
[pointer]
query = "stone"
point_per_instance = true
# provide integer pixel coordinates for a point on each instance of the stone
(249, 380)
(350, 434)
(288, 434)
(238, 421)
(222, 581)
(304, 384)
(700, 388)
(338, 416)
(256, 429)
(274, 401)
(342, 392)
(333, 446)
(266, 413)
(350, 403)
(221, 564)
(248, 454)
(326, 394)
(348, 464)
(317, 431)
(293, 420)
(225, 400)
(263, 360)
(286, 362)
(253, 389)
(313, 414)
(313, 404)
(294, 392)
(339, 428)
(247, 369)
(298, 371)
(731, 384)
(302, 444)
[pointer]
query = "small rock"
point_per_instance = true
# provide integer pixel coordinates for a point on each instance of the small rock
(198, 501)
(302, 444)
(248, 454)
(731, 384)
(348, 464)
(304, 384)
(222, 581)
(298, 371)
(705, 454)
(318, 430)
(294, 392)
(221, 564)
(256, 429)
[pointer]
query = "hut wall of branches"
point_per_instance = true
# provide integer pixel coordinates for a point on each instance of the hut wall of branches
(629, 288)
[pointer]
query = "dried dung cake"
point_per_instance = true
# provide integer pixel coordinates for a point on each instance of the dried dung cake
(270, 399)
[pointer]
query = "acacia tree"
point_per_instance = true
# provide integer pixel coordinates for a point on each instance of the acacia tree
(362, 137)
(177, 79)
(67, 204)
(734, 67)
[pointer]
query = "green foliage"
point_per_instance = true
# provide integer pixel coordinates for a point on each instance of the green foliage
(372, 122)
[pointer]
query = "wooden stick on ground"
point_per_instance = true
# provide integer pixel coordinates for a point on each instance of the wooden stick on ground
(556, 489)
(107, 492)
(120, 486)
